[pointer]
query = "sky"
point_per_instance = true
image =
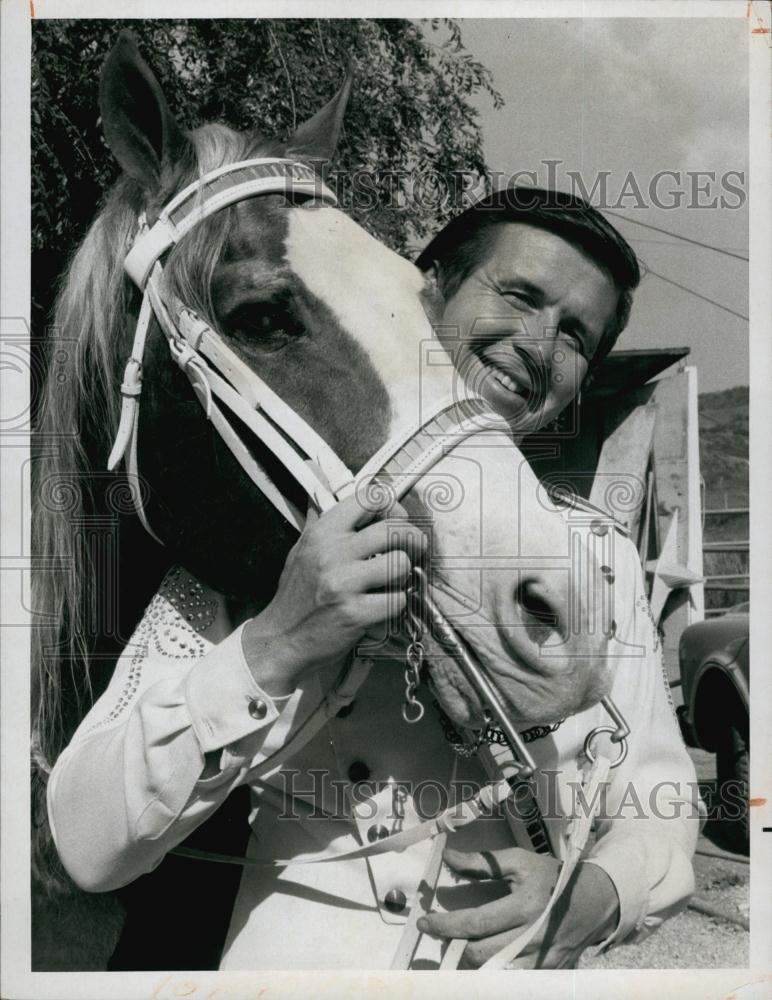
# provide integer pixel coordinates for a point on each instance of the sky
(640, 96)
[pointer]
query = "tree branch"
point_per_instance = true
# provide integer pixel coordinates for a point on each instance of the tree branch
(274, 41)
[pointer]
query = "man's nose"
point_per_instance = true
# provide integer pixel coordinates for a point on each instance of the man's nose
(535, 338)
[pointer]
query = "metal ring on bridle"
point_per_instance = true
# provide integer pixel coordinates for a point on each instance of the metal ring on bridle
(588, 751)
(412, 704)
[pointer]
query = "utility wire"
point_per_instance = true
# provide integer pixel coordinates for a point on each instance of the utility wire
(667, 232)
(659, 243)
(691, 291)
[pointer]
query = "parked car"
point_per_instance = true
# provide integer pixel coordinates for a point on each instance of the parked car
(713, 658)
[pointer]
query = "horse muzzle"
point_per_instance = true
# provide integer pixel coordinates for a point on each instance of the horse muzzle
(458, 676)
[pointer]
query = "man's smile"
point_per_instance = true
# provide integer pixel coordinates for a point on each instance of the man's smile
(501, 371)
(508, 369)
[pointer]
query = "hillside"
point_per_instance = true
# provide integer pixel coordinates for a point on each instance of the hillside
(724, 467)
(724, 446)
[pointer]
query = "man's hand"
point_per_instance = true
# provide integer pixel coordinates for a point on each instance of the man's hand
(585, 913)
(346, 574)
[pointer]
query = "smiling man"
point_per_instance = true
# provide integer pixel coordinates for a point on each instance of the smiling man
(537, 288)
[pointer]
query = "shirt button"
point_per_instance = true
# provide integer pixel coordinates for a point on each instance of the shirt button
(377, 832)
(395, 901)
(257, 708)
(358, 771)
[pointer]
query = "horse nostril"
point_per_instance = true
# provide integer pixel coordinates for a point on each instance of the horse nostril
(532, 601)
(540, 616)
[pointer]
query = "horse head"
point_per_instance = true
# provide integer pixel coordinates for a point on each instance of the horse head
(338, 326)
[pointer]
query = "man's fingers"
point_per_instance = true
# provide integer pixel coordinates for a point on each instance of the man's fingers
(472, 864)
(507, 863)
(343, 537)
(475, 922)
(350, 514)
(374, 609)
(388, 570)
(384, 536)
(477, 953)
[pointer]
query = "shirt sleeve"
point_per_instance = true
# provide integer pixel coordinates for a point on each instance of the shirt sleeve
(650, 821)
(180, 725)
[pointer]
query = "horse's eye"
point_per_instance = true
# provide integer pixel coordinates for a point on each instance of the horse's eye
(264, 321)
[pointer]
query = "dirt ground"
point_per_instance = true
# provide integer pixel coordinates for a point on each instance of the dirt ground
(694, 940)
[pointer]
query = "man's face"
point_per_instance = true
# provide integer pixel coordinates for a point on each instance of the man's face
(523, 327)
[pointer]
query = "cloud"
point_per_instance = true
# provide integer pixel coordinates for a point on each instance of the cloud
(684, 82)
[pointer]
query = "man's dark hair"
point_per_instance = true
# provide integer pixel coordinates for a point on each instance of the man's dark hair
(463, 244)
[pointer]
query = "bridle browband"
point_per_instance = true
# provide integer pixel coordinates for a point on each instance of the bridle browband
(220, 378)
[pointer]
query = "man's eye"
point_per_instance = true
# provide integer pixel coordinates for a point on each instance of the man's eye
(577, 337)
(518, 298)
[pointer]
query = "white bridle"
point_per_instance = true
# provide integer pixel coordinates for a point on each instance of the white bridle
(219, 376)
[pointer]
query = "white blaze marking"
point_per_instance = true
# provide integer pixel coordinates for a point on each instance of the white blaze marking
(374, 295)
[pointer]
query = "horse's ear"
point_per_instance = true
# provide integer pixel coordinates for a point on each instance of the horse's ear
(317, 138)
(138, 125)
